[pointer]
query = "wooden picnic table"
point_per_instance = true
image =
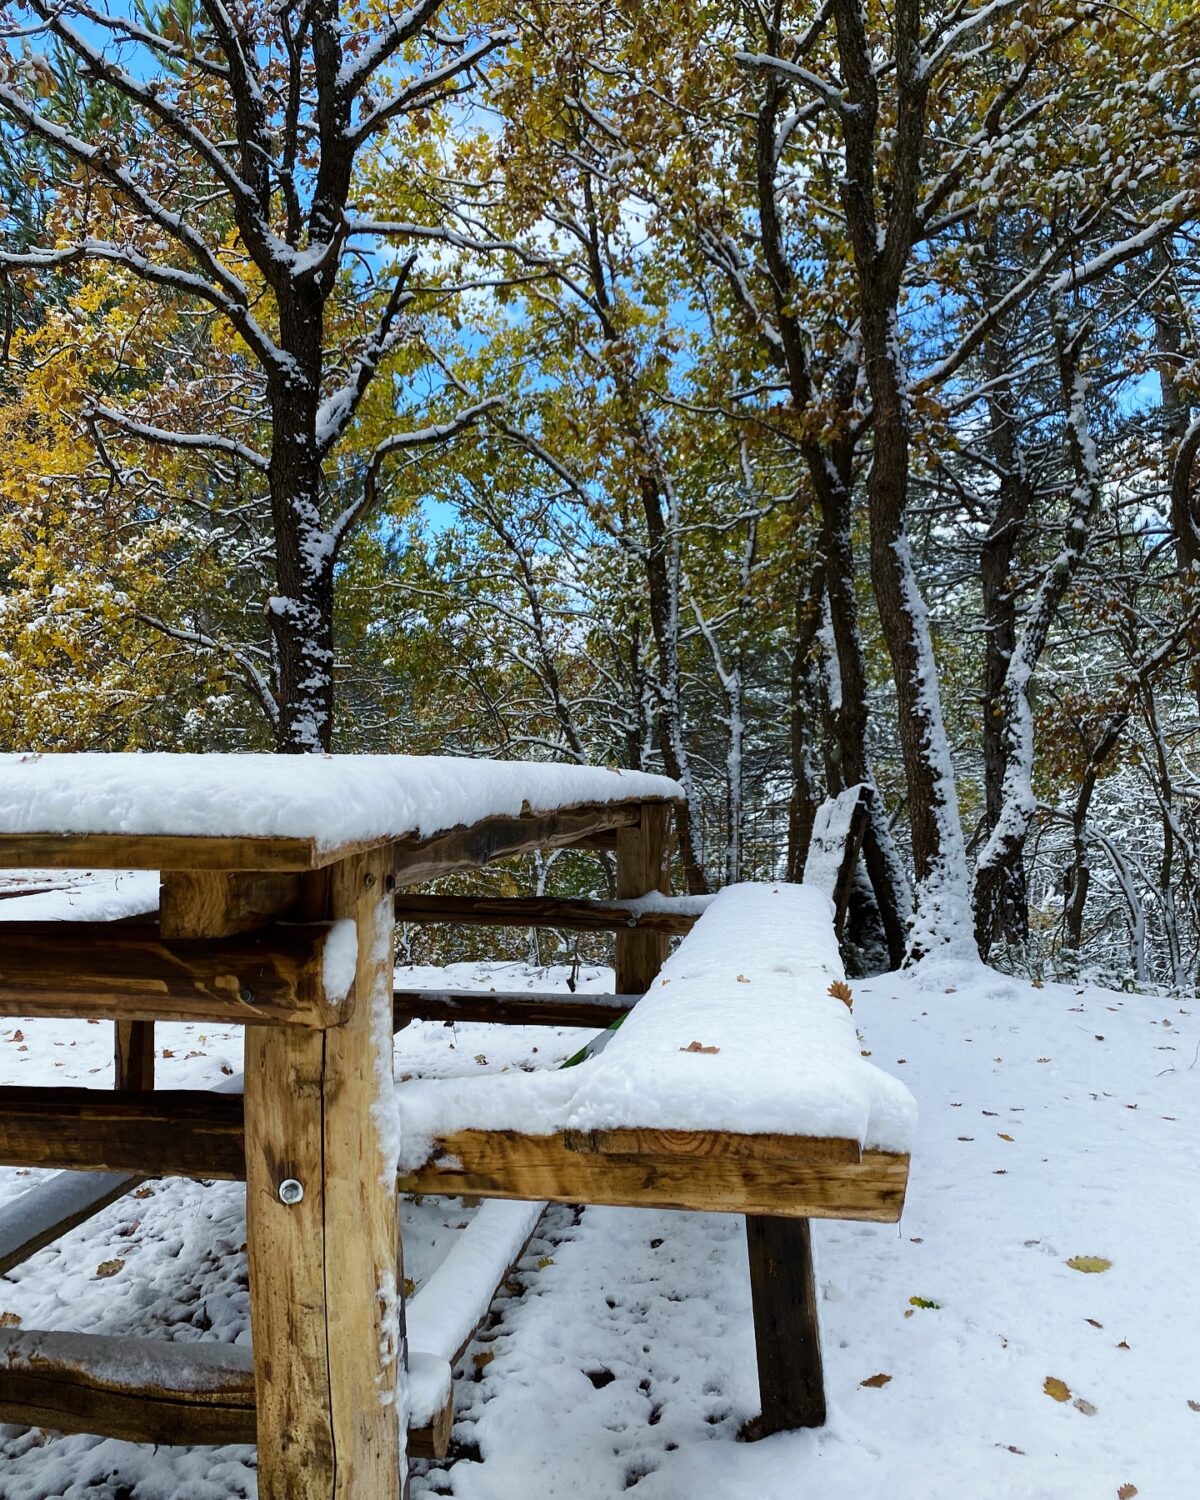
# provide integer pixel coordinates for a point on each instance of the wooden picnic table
(278, 878)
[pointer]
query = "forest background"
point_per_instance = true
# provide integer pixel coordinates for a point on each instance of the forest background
(786, 396)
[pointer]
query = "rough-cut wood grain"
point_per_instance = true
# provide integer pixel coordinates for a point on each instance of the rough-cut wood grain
(133, 1055)
(323, 1272)
(46, 1211)
(127, 970)
(510, 1008)
(465, 848)
(572, 914)
(787, 1331)
(788, 1176)
(214, 904)
(642, 868)
(166, 1132)
(185, 1393)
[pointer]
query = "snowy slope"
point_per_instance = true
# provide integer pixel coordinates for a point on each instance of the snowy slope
(628, 1358)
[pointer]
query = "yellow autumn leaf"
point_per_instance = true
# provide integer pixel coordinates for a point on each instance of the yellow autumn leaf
(1057, 1390)
(1089, 1263)
(109, 1267)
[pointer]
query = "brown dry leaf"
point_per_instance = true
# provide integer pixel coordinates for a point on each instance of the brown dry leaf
(144, 1192)
(1085, 1407)
(1122, 1345)
(9, 1319)
(109, 1267)
(698, 1047)
(1057, 1390)
(483, 1358)
(17, 1036)
(1093, 1322)
(1002, 1136)
(166, 1052)
(875, 1381)
(741, 979)
(1195, 1405)
(840, 990)
(1127, 1492)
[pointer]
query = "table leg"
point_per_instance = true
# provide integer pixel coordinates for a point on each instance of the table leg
(324, 1300)
(787, 1333)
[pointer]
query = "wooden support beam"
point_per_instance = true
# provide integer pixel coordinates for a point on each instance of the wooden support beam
(163, 1133)
(787, 1331)
(325, 1279)
(147, 1391)
(510, 1008)
(215, 904)
(641, 869)
(570, 914)
(466, 848)
(133, 1055)
(710, 1171)
(98, 970)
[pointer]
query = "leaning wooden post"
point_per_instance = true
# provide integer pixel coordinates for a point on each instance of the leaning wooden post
(642, 868)
(133, 1055)
(324, 1300)
(787, 1332)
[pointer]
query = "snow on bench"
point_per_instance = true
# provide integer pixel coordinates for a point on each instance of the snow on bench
(738, 1053)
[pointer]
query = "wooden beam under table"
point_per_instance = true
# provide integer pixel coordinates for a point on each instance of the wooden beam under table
(510, 1007)
(146, 1391)
(709, 1171)
(571, 914)
(101, 970)
(787, 1332)
(161, 1133)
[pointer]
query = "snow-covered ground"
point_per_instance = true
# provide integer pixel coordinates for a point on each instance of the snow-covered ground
(1056, 1123)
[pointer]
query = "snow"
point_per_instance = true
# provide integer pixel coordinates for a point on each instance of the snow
(339, 960)
(627, 1356)
(827, 847)
(750, 983)
(77, 895)
(334, 799)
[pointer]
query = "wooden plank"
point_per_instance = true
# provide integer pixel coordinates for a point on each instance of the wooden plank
(465, 848)
(788, 1176)
(133, 1055)
(129, 851)
(570, 914)
(510, 1008)
(48, 1210)
(324, 1290)
(167, 1132)
(641, 869)
(787, 1332)
(214, 904)
(184, 1393)
(127, 970)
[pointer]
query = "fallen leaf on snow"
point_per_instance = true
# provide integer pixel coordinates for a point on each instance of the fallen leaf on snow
(924, 1302)
(1057, 1390)
(1127, 1492)
(1004, 1137)
(1195, 1405)
(1085, 1407)
(109, 1267)
(840, 990)
(698, 1047)
(875, 1381)
(9, 1319)
(1093, 1322)
(1090, 1264)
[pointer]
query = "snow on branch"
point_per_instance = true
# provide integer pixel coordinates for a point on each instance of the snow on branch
(167, 438)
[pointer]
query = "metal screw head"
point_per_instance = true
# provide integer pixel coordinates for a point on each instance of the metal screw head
(246, 994)
(369, 880)
(290, 1191)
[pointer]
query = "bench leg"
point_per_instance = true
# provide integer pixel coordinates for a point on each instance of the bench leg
(787, 1334)
(324, 1292)
(133, 1053)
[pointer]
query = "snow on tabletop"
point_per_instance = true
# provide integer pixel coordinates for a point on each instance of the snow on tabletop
(333, 799)
(777, 1053)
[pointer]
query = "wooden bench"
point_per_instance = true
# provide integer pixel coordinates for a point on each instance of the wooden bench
(736, 1084)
